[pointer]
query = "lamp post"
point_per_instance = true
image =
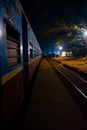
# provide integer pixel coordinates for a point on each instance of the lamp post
(60, 48)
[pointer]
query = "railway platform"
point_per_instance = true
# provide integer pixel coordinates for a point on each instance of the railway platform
(51, 106)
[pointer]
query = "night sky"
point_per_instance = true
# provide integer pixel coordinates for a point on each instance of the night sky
(46, 15)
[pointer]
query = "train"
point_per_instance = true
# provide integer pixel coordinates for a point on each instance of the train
(20, 54)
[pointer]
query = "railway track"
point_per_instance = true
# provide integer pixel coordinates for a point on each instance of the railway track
(71, 77)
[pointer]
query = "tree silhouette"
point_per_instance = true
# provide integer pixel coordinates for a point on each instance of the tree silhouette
(64, 32)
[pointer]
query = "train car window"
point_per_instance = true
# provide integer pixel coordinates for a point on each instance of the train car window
(31, 50)
(31, 53)
(13, 46)
(35, 52)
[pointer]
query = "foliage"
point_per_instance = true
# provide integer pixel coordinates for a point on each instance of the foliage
(63, 32)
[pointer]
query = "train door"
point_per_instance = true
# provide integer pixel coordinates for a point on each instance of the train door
(25, 51)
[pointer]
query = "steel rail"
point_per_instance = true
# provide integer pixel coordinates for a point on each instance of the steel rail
(76, 81)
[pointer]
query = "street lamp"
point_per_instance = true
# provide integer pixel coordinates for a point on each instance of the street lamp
(85, 33)
(60, 48)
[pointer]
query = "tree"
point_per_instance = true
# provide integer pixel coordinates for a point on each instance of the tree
(62, 31)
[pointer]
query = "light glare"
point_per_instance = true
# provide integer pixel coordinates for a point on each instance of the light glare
(0, 32)
(60, 47)
(85, 33)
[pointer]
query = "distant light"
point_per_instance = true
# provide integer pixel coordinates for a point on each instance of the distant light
(66, 53)
(63, 54)
(50, 52)
(0, 32)
(58, 52)
(60, 48)
(85, 33)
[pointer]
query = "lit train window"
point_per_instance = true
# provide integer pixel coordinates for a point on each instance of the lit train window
(31, 53)
(13, 46)
(35, 52)
(12, 51)
(31, 50)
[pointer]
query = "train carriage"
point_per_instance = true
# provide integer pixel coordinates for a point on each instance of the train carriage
(20, 54)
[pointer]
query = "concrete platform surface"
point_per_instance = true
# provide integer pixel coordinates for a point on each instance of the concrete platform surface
(51, 106)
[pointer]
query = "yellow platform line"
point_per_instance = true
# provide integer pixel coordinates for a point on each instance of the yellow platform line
(10, 75)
